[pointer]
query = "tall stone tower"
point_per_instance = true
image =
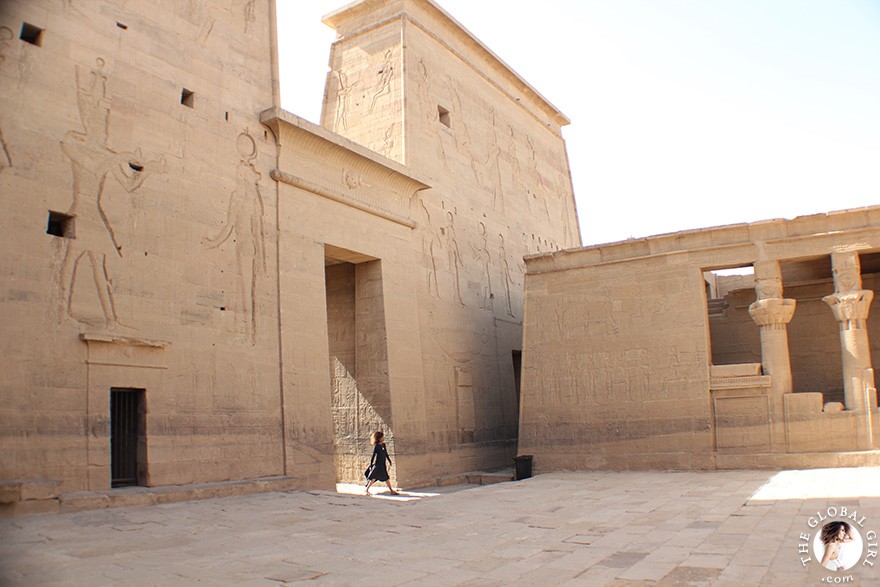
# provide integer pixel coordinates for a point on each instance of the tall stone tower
(411, 83)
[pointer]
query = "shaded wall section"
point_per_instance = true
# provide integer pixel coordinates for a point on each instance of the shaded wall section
(615, 368)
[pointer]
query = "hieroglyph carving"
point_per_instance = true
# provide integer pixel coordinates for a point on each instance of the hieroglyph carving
(454, 255)
(244, 220)
(430, 110)
(382, 87)
(249, 15)
(388, 141)
(431, 245)
(200, 14)
(5, 158)
(345, 109)
(92, 161)
(343, 96)
(481, 254)
(506, 277)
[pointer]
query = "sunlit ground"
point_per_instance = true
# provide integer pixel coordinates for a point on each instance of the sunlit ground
(377, 492)
(821, 484)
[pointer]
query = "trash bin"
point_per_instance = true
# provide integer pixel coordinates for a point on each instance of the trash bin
(523, 465)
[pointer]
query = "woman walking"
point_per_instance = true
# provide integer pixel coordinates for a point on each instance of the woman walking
(377, 470)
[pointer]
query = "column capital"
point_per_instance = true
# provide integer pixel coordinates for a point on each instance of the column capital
(772, 313)
(850, 308)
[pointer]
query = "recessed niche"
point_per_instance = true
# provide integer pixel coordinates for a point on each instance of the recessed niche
(31, 34)
(443, 115)
(187, 97)
(60, 225)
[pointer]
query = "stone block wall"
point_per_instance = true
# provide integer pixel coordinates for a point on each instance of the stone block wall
(131, 132)
(618, 340)
(615, 368)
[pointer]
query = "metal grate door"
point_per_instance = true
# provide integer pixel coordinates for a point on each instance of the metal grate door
(126, 424)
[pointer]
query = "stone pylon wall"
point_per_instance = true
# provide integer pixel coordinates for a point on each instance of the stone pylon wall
(420, 90)
(174, 235)
(131, 131)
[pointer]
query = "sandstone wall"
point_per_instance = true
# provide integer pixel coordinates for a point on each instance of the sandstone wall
(617, 348)
(140, 121)
(269, 291)
(418, 89)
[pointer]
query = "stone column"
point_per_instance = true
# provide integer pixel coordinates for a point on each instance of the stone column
(850, 304)
(773, 313)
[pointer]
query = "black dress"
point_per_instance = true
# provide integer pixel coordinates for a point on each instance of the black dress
(380, 455)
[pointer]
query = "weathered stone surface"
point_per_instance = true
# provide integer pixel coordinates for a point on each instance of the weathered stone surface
(630, 363)
(585, 528)
(176, 236)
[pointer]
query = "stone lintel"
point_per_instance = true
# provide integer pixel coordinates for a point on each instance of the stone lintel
(338, 196)
(736, 243)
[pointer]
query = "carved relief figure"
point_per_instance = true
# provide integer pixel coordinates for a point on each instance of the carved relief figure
(5, 159)
(481, 254)
(429, 110)
(244, 220)
(506, 278)
(200, 14)
(453, 253)
(431, 244)
(249, 15)
(382, 86)
(465, 146)
(494, 161)
(768, 286)
(343, 94)
(517, 170)
(388, 141)
(534, 176)
(92, 162)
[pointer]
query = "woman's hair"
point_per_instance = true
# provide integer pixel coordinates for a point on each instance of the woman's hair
(376, 437)
(832, 529)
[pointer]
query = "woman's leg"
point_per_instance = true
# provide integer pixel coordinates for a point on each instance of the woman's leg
(391, 489)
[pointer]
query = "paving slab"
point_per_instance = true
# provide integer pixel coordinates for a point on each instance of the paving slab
(584, 528)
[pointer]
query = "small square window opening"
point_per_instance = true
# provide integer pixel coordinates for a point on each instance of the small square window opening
(443, 115)
(31, 34)
(60, 224)
(187, 98)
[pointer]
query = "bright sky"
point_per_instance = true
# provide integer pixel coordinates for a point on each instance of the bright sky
(685, 113)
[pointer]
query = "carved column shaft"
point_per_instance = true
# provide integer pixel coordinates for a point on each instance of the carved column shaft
(773, 313)
(850, 305)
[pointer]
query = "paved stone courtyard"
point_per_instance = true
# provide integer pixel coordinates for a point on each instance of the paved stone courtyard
(589, 528)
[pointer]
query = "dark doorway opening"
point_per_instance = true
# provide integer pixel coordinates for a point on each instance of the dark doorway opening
(128, 438)
(517, 377)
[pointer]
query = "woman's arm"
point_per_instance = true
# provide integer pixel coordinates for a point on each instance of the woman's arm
(827, 556)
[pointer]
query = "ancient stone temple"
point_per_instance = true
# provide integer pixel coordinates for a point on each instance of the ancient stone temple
(644, 354)
(198, 286)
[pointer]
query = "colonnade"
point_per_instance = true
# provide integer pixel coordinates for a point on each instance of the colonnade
(850, 304)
